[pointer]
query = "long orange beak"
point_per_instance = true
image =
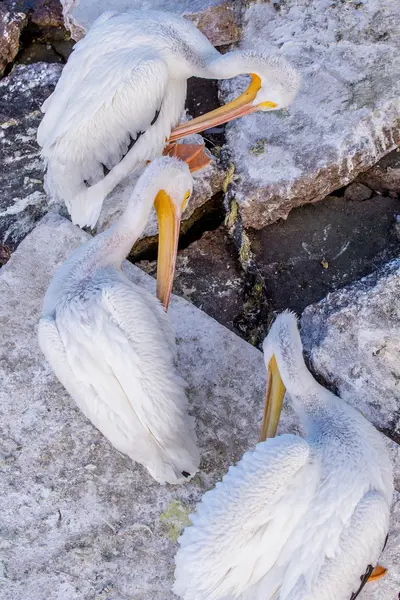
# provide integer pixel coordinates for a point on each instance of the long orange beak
(168, 237)
(273, 401)
(237, 108)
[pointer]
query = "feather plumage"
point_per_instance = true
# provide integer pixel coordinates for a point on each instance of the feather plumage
(111, 345)
(128, 69)
(296, 519)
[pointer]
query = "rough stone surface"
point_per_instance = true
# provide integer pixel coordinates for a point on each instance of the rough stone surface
(319, 248)
(209, 275)
(385, 175)
(47, 13)
(217, 19)
(79, 520)
(207, 182)
(357, 191)
(5, 253)
(22, 201)
(353, 338)
(346, 116)
(11, 25)
(219, 23)
(43, 13)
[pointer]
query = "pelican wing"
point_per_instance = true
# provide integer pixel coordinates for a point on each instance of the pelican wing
(116, 361)
(93, 121)
(116, 94)
(361, 541)
(240, 527)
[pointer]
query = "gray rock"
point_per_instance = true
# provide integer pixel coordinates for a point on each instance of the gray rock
(22, 201)
(79, 521)
(353, 339)
(11, 25)
(208, 274)
(357, 191)
(345, 118)
(217, 19)
(318, 249)
(385, 175)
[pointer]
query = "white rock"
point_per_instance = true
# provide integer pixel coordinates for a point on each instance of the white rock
(217, 19)
(79, 520)
(346, 116)
(353, 339)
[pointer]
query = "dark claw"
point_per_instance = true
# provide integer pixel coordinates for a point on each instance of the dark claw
(155, 117)
(185, 474)
(105, 170)
(133, 142)
(364, 578)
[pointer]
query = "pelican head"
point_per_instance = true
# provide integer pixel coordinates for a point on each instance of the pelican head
(274, 85)
(282, 347)
(171, 183)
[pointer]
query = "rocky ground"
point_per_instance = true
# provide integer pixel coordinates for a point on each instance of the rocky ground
(298, 210)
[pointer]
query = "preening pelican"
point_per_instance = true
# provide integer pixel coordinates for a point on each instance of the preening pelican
(122, 91)
(295, 519)
(110, 342)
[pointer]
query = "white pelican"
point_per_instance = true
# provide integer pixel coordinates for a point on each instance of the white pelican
(110, 342)
(295, 519)
(122, 91)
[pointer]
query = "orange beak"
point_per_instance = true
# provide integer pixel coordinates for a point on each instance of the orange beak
(237, 108)
(192, 154)
(168, 237)
(273, 401)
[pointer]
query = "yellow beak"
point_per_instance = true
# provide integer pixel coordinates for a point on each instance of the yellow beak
(168, 237)
(237, 108)
(273, 401)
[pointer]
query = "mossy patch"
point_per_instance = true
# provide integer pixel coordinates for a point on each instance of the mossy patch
(231, 217)
(228, 178)
(175, 518)
(259, 147)
(246, 254)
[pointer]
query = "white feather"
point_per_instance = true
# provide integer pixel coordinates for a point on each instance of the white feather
(296, 519)
(111, 345)
(129, 69)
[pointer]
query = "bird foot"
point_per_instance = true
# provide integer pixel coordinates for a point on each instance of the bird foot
(377, 573)
(193, 154)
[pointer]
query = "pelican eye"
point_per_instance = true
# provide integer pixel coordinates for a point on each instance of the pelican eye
(185, 200)
(267, 105)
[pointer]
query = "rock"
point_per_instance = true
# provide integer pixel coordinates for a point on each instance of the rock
(207, 183)
(44, 18)
(23, 201)
(217, 19)
(345, 118)
(385, 175)
(358, 192)
(353, 340)
(11, 25)
(43, 13)
(208, 275)
(220, 24)
(76, 514)
(319, 248)
(47, 13)
(5, 253)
